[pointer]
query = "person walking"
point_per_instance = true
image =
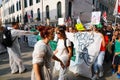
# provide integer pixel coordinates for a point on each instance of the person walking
(98, 64)
(42, 55)
(116, 59)
(64, 52)
(14, 52)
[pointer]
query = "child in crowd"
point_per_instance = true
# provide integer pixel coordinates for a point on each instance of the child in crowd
(116, 60)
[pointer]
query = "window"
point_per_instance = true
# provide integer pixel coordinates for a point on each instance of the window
(47, 12)
(13, 9)
(19, 5)
(25, 3)
(69, 9)
(31, 2)
(32, 13)
(59, 10)
(20, 17)
(93, 2)
(17, 18)
(37, 1)
(25, 18)
(38, 14)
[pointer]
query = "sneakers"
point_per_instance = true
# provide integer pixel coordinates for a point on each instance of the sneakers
(23, 71)
(118, 75)
(14, 72)
(101, 74)
(95, 77)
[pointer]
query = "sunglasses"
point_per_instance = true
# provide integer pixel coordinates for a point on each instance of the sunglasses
(57, 32)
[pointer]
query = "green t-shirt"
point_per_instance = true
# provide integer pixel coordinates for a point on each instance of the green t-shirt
(117, 47)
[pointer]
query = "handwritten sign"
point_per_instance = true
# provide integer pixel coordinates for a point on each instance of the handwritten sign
(95, 18)
(87, 46)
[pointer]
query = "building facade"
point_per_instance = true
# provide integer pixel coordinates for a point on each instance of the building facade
(27, 11)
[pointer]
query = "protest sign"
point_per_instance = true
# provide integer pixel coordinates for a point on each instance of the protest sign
(61, 21)
(87, 46)
(95, 18)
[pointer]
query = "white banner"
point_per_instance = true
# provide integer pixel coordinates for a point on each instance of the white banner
(87, 46)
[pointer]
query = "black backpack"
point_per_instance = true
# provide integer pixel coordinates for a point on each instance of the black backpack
(72, 45)
(7, 38)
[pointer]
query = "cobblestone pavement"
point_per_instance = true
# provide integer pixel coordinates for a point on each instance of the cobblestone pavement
(26, 56)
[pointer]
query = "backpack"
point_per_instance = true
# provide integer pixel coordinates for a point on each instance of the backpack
(7, 38)
(72, 45)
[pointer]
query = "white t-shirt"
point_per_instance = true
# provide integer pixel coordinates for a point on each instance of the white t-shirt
(61, 47)
(62, 53)
(42, 54)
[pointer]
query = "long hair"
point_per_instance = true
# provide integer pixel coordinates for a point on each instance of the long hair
(45, 31)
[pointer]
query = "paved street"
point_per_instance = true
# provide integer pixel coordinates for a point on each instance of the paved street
(26, 56)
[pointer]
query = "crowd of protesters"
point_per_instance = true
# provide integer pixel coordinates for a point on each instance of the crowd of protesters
(42, 53)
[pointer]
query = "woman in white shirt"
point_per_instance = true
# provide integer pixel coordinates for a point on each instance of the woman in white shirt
(63, 52)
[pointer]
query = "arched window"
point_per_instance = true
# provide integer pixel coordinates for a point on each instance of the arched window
(30, 2)
(38, 14)
(25, 18)
(59, 14)
(69, 9)
(37, 1)
(19, 5)
(47, 12)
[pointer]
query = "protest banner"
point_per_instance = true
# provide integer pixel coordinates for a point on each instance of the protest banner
(87, 46)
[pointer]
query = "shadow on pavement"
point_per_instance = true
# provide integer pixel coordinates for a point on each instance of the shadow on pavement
(20, 78)
(4, 71)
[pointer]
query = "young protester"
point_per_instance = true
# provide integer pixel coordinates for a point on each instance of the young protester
(64, 52)
(42, 55)
(116, 59)
(16, 63)
(98, 65)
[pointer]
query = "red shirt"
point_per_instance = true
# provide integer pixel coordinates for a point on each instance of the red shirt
(102, 48)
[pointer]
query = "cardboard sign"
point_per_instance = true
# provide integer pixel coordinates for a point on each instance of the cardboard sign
(95, 18)
(61, 21)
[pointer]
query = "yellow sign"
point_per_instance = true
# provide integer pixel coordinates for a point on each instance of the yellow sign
(79, 26)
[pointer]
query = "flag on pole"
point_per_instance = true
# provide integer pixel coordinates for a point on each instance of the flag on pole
(104, 16)
(117, 8)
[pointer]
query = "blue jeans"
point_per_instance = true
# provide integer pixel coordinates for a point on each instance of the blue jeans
(98, 65)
